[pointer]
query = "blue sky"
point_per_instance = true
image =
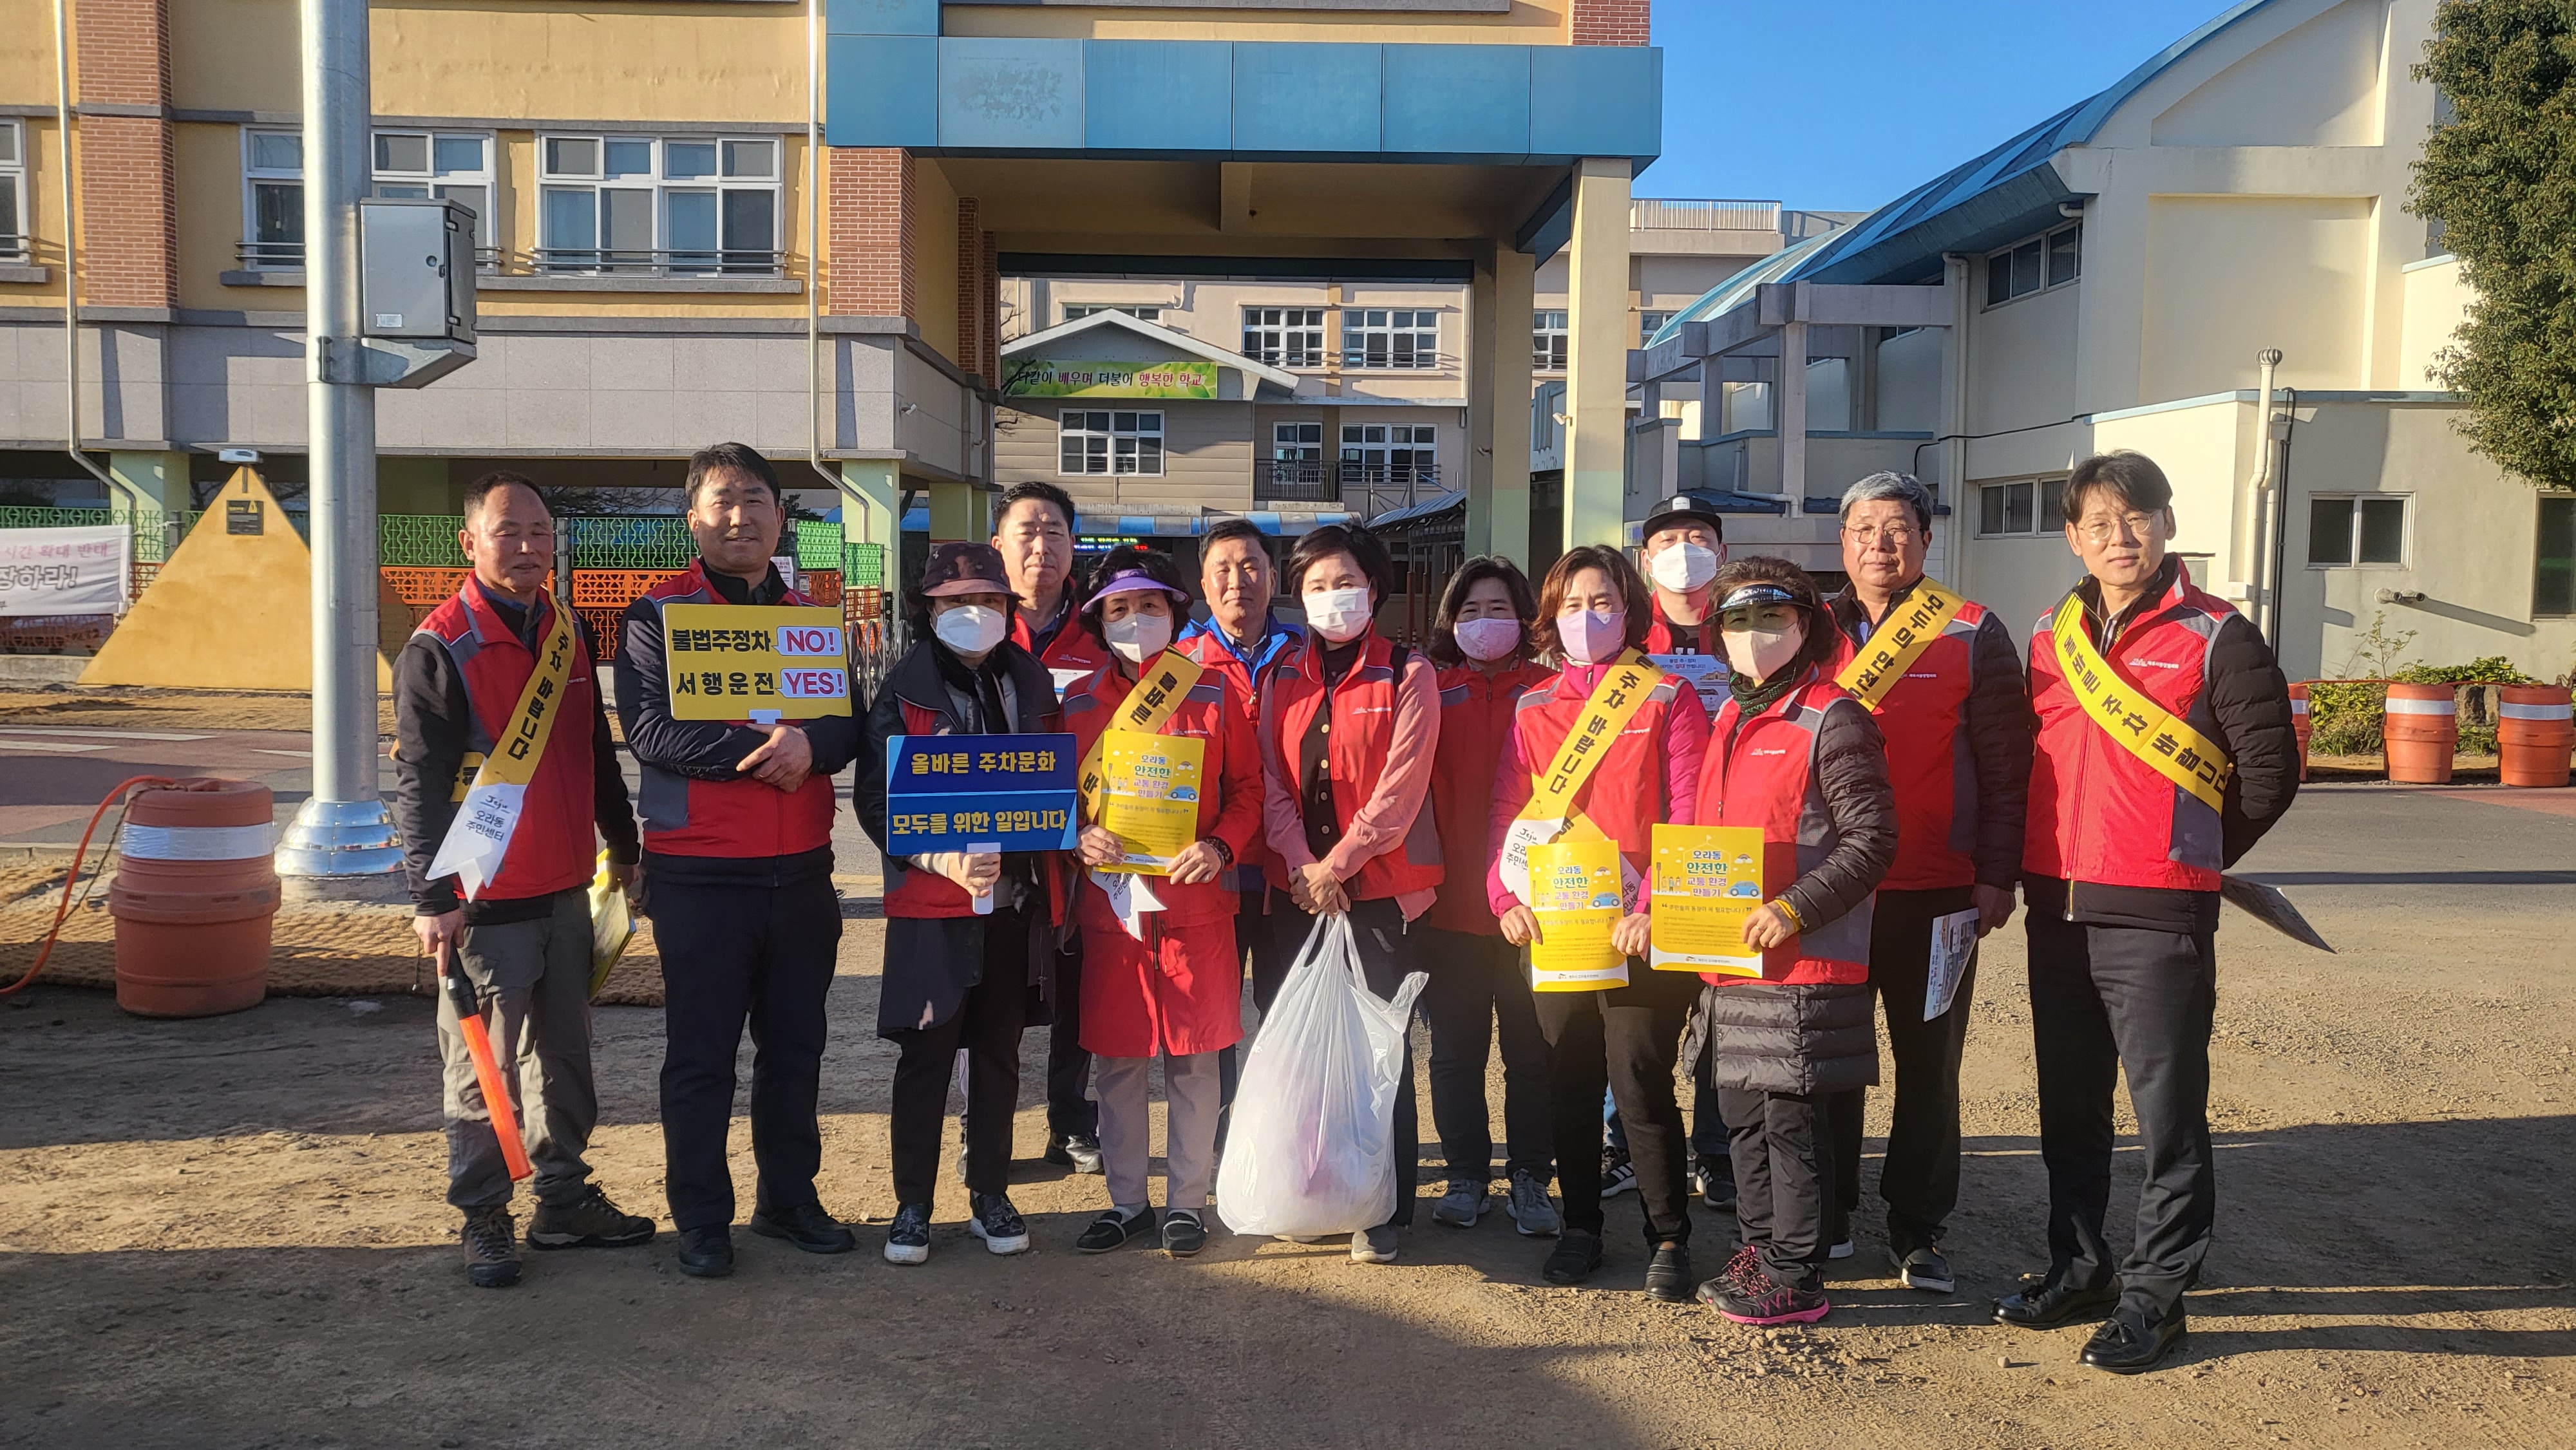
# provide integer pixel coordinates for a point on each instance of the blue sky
(1840, 105)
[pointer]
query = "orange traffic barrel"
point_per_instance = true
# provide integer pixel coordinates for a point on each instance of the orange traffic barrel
(195, 899)
(2299, 723)
(2535, 733)
(2422, 729)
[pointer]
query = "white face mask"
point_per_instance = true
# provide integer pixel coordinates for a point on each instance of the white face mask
(1487, 639)
(1339, 615)
(1763, 653)
(1138, 637)
(973, 630)
(1591, 637)
(1683, 567)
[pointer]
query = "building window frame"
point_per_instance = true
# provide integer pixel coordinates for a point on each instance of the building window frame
(2351, 541)
(15, 226)
(1390, 339)
(1297, 443)
(1548, 339)
(272, 199)
(439, 177)
(2553, 562)
(2035, 264)
(1142, 312)
(1651, 321)
(655, 186)
(2021, 508)
(1285, 337)
(1396, 452)
(1109, 443)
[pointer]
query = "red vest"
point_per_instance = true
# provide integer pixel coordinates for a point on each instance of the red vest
(1924, 716)
(1072, 654)
(1762, 772)
(1229, 786)
(2097, 812)
(1476, 712)
(1362, 732)
(555, 846)
(1625, 794)
(1212, 655)
(738, 818)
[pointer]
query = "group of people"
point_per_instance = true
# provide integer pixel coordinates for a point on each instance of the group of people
(1907, 771)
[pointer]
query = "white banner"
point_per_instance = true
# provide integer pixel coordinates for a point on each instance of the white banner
(64, 571)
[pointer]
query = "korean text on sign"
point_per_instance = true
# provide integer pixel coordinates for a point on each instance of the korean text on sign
(944, 791)
(744, 661)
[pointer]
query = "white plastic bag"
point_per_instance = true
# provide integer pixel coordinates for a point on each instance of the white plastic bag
(1311, 1148)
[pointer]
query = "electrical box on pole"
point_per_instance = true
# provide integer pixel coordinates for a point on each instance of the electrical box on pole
(415, 295)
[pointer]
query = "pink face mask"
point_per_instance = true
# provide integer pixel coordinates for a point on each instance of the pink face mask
(1591, 637)
(1487, 639)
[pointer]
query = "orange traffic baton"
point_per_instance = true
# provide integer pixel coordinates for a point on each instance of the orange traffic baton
(487, 1072)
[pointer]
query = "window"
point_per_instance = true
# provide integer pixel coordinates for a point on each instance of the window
(1297, 443)
(1287, 337)
(1547, 341)
(272, 200)
(1076, 311)
(1379, 338)
(1650, 323)
(1391, 451)
(2343, 532)
(2034, 506)
(2553, 582)
(424, 164)
(2043, 262)
(657, 205)
(1112, 443)
(13, 192)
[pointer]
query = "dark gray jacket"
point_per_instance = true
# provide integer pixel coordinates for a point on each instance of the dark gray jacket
(1773, 1037)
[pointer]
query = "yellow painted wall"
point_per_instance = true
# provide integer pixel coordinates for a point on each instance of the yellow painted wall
(2437, 302)
(1540, 23)
(2207, 453)
(27, 52)
(2228, 276)
(2017, 359)
(934, 257)
(238, 55)
(44, 219)
(2318, 85)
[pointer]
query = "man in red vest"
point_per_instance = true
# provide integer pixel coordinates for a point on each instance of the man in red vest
(2165, 751)
(1957, 719)
(738, 881)
(524, 940)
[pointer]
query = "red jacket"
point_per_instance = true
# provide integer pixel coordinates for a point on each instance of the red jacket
(1763, 772)
(1359, 740)
(1650, 777)
(1476, 711)
(554, 846)
(914, 700)
(1068, 657)
(1251, 869)
(1181, 989)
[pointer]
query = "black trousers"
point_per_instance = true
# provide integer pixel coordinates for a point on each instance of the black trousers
(735, 956)
(987, 1025)
(2104, 999)
(1625, 1039)
(1070, 1108)
(1270, 940)
(1480, 992)
(1919, 1179)
(1783, 1155)
(1387, 955)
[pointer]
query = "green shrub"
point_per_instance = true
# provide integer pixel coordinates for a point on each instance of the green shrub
(2343, 718)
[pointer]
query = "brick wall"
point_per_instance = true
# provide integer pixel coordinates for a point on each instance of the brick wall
(970, 287)
(1611, 22)
(128, 191)
(869, 270)
(989, 263)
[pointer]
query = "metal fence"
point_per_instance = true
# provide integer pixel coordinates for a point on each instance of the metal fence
(1650, 214)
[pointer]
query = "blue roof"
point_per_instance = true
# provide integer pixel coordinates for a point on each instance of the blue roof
(1723, 298)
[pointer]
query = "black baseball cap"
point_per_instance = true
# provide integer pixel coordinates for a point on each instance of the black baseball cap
(1683, 506)
(961, 567)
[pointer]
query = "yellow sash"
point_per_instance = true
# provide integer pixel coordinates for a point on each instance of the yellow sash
(1898, 642)
(1159, 691)
(479, 837)
(1614, 702)
(2137, 723)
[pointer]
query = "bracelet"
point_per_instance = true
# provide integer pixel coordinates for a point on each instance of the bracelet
(1225, 853)
(1790, 912)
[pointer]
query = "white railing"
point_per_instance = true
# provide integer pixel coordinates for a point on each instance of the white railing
(1653, 214)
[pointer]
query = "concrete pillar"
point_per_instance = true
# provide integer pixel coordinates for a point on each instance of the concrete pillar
(150, 481)
(1792, 414)
(959, 511)
(871, 491)
(1498, 405)
(1596, 372)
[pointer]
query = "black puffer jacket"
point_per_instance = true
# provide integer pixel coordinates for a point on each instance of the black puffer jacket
(1772, 1037)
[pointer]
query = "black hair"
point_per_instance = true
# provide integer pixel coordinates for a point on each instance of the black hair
(1443, 648)
(1635, 601)
(1225, 529)
(1032, 489)
(492, 483)
(735, 457)
(2128, 475)
(1157, 565)
(1363, 547)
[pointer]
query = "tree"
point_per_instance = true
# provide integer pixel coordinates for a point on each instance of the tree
(2499, 177)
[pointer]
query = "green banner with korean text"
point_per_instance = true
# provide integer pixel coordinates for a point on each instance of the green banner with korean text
(1082, 378)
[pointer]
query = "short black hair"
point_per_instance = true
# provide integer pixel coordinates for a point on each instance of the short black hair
(1157, 566)
(1331, 539)
(1225, 529)
(1443, 648)
(2130, 476)
(1019, 493)
(721, 457)
(493, 482)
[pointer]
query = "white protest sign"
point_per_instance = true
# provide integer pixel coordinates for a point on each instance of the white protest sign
(64, 571)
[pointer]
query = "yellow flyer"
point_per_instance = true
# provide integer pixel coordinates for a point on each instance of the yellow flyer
(1707, 880)
(1150, 797)
(1574, 890)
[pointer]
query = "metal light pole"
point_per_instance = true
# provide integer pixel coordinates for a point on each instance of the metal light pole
(344, 829)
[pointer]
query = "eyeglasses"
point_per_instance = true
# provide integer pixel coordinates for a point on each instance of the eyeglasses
(1895, 535)
(2126, 526)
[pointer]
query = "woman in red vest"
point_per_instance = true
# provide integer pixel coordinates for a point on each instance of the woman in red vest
(1593, 613)
(1349, 729)
(1163, 982)
(1794, 755)
(1481, 641)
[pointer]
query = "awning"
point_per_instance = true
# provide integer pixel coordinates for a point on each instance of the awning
(1278, 524)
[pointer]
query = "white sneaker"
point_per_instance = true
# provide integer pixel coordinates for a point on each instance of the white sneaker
(1374, 1245)
(999, 1225)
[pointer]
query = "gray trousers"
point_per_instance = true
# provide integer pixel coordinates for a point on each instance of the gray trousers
(1192, 1095)
(532, 979)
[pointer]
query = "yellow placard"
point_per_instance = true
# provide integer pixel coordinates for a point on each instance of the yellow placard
(755, 661)
(1706, 881)
(1575, 893)
(1149, 797)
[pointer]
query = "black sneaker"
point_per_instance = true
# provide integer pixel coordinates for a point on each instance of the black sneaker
(1760, 1300)
(1925, 1269)
(1618, 1175)
(588, 1222)
(1576, 1255)
(806, 1226)
(1743, 1269)
(1715, 1184)
(1668, 1277)
(1077, 1151)
(491, 1249)
(1183, 1234)
(908, 1237)
(1113, 1229)
(991, 1218)
(706, 1252)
